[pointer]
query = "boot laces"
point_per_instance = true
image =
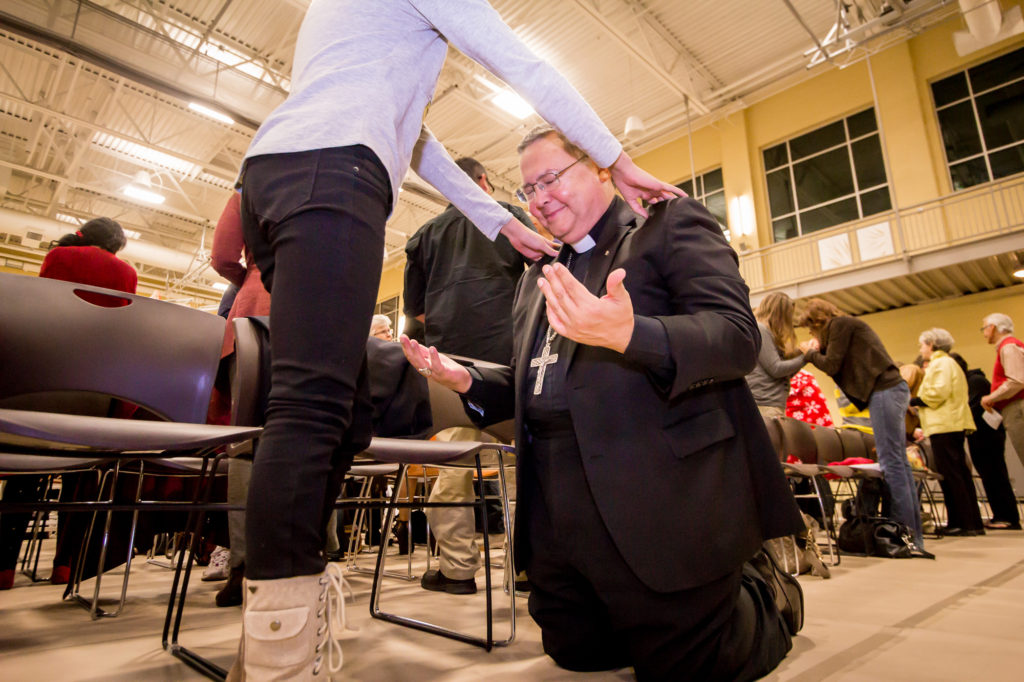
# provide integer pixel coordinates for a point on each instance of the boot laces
(333, 612)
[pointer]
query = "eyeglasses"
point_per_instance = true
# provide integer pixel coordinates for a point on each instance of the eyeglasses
(984, 327)
(549, 179)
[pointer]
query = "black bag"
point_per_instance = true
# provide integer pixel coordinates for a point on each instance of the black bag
(876, 536)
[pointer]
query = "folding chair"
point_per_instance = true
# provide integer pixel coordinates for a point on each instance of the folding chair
(797, 440)
(159, 356)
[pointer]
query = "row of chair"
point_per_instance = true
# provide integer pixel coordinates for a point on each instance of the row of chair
(818, 450)
(63, 359)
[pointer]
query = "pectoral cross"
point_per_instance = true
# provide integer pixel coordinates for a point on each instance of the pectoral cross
(546, 358)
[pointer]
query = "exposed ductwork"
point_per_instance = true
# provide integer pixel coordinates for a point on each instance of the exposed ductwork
(986, 25)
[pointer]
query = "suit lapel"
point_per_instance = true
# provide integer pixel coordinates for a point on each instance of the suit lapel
(604, 254)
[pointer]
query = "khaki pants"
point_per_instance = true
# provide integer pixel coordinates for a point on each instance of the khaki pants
(1013, 420)
(454, 527)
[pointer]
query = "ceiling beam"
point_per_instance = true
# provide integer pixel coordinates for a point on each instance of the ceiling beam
(647, 62)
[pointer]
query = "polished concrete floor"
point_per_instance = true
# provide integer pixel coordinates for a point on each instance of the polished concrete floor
(957, 618)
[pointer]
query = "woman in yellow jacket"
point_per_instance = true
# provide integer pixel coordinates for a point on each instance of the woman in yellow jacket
(946, 420)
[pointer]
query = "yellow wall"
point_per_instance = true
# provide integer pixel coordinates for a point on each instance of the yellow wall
(901, 76)
(391, 282)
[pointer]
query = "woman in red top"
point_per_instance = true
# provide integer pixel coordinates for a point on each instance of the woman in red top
(87, 257)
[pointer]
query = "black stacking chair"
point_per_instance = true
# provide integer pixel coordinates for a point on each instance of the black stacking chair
(797, 439)
(59, 354)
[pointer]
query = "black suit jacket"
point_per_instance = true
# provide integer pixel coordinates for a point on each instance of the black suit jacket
(682, 470)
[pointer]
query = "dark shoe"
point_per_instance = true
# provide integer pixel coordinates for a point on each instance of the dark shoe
(231, 593)
(955, 531)
(402, 533)
(7, 579)
(436, 581)
(335, 556)
(789, 596)
(522, 586)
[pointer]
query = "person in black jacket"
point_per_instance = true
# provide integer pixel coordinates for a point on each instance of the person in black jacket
(646, 479)
(987, 446)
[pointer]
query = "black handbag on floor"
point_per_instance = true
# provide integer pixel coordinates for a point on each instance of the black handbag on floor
(876, 536)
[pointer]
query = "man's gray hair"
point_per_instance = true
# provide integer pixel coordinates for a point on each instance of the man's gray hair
(1002, 323)
(937, 338)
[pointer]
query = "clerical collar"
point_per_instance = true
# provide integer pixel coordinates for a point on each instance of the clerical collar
(589, 241)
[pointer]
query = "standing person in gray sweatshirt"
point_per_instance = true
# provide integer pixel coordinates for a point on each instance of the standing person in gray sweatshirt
(318, 184)
(779, 358)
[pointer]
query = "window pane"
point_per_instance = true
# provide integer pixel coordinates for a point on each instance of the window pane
(875, 201)
(829, 216)
(713, 181)
(968, 173)
(862, 123)
(1007, 161)
(784, 228)
(950, 89)
(780, 192)
(1002, 115)
(775, 156)
(816, 140)
(959, 131)
(823, 178)
(867, 159)
(1000, 70)
(715, 203)
(686, 187)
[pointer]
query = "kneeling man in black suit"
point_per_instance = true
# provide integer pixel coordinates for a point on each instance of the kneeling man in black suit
(646, 480)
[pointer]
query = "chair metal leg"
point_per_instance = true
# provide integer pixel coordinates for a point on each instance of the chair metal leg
(487, 642)
(182, 573)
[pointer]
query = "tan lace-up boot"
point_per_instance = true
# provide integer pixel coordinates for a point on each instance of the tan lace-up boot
(286, 626)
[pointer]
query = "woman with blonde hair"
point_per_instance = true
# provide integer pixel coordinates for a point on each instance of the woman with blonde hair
(946, 420)
(849, 351)
(779, 358)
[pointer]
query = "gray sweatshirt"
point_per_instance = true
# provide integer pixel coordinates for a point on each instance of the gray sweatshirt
(364, 73)
(769, 380)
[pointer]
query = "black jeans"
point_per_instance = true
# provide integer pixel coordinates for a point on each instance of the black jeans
(950, 460)
(314, 222)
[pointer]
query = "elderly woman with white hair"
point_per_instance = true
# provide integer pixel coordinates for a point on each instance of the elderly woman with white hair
(946, 420)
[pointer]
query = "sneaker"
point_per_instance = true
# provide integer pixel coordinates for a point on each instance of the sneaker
(217, 569)
(436, 581)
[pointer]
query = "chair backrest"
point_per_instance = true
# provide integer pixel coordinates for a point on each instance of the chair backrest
(771, 425)
(869, 445)
(251, 385)
(798, 440)
(853, 443)
(159, 355)
(830, 448)
(250, 381)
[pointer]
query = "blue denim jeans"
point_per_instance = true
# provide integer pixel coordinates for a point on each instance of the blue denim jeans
(888, 410)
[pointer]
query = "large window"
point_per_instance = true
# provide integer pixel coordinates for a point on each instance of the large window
(981, 117)
(710, 191)
(389, 307)
(826, 177)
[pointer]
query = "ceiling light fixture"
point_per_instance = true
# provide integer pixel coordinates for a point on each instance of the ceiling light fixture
(506, 100)
(211, 113)
(141, 188)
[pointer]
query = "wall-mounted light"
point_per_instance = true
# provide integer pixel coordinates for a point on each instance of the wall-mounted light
(141, 188)
(1019, 273)
(211, 113)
